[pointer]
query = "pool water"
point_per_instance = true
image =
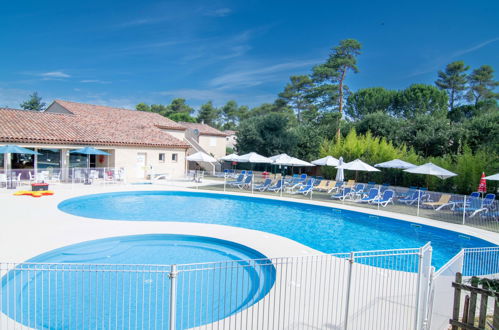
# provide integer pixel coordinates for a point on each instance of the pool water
(323, 228)
(119, 291)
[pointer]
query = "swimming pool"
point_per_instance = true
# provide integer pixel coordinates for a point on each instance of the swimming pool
(323, 228)
(118, 291)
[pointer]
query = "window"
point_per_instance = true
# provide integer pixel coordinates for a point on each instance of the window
(162, 157)
(213, 142)
(174, 157)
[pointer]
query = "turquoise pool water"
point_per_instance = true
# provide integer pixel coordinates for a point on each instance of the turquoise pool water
(134, 296)
(326, 229)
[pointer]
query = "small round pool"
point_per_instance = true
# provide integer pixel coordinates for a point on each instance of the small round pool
(124, 282)
(323, 228)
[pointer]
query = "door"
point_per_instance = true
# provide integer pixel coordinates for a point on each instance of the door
(141, 165)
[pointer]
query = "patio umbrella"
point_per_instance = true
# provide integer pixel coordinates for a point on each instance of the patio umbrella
(396, 163)
(358, 165)
(326, 161)
(340, 175)
(494, 177)
(253, 157)
(13, 149)
(88, 151)
(482, 186)
(201, 157)
(230, 158)
(431, 169)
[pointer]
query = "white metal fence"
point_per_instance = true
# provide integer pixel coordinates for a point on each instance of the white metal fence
(470, 262)
(392, 289)
(477, 211)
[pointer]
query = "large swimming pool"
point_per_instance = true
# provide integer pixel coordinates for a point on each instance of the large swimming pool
(323, 228)
(123, 283)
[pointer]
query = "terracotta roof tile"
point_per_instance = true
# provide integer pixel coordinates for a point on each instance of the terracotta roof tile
(88, 125)
(203, 129)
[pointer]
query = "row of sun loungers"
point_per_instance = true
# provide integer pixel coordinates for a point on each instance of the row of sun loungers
(373, 194)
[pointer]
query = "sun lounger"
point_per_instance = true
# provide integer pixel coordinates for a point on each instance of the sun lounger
(263, 186)
(322, 186)
(372, 195)
(386, 198)
(343, 194)
(442, 202)
(336, 187)
(246, 183)
(277, 187)
(411, 199)
(306, 189)
(236, 182)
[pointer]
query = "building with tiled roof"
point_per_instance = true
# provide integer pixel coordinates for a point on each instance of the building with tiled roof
(208, 139)
(141, 142)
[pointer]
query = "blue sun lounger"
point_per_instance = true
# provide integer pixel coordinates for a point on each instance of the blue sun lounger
(386, 198)
(343, 194)
(277, 187)
(372, 195)
(239, 180)
(307, 188)
(263, 186)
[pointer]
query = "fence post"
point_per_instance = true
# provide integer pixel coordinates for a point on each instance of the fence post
(464, 210)
(351, 261)
(225, 181)
(252, 182)
(282, 184)
(173, 296)
(419, 198)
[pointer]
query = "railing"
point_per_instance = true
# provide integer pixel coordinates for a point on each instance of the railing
(469, 262)
(472, 211)
(23, 178)
(346, 290)
(392, 289)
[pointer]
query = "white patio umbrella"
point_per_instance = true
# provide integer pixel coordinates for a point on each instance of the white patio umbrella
(494, 177)
(358, 165)
(431, 169)
(201, 157)
(253, 157)
(340, 174)
(230, 158)
(326, 161)
(396, 163)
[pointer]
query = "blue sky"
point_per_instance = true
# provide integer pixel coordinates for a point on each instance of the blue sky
(121, 53)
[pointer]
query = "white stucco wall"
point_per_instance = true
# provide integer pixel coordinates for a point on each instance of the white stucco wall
(128, 158)
(179, 134)
(217, 150)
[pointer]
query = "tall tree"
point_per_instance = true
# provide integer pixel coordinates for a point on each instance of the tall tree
(34, 103)
(331, 75)
(297, 95)
(370, 100)
(230, 114)
(209, 115)
(178, 105)
(453, 80)
(482, 85)
(420, 99)
(268, 135)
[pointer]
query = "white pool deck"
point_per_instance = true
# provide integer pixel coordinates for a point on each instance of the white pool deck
(31, 226)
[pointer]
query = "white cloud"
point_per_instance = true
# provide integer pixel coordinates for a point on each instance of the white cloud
(257, 76)
(474, 48)
(94, 81)
(55, 74)
(219, 12)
